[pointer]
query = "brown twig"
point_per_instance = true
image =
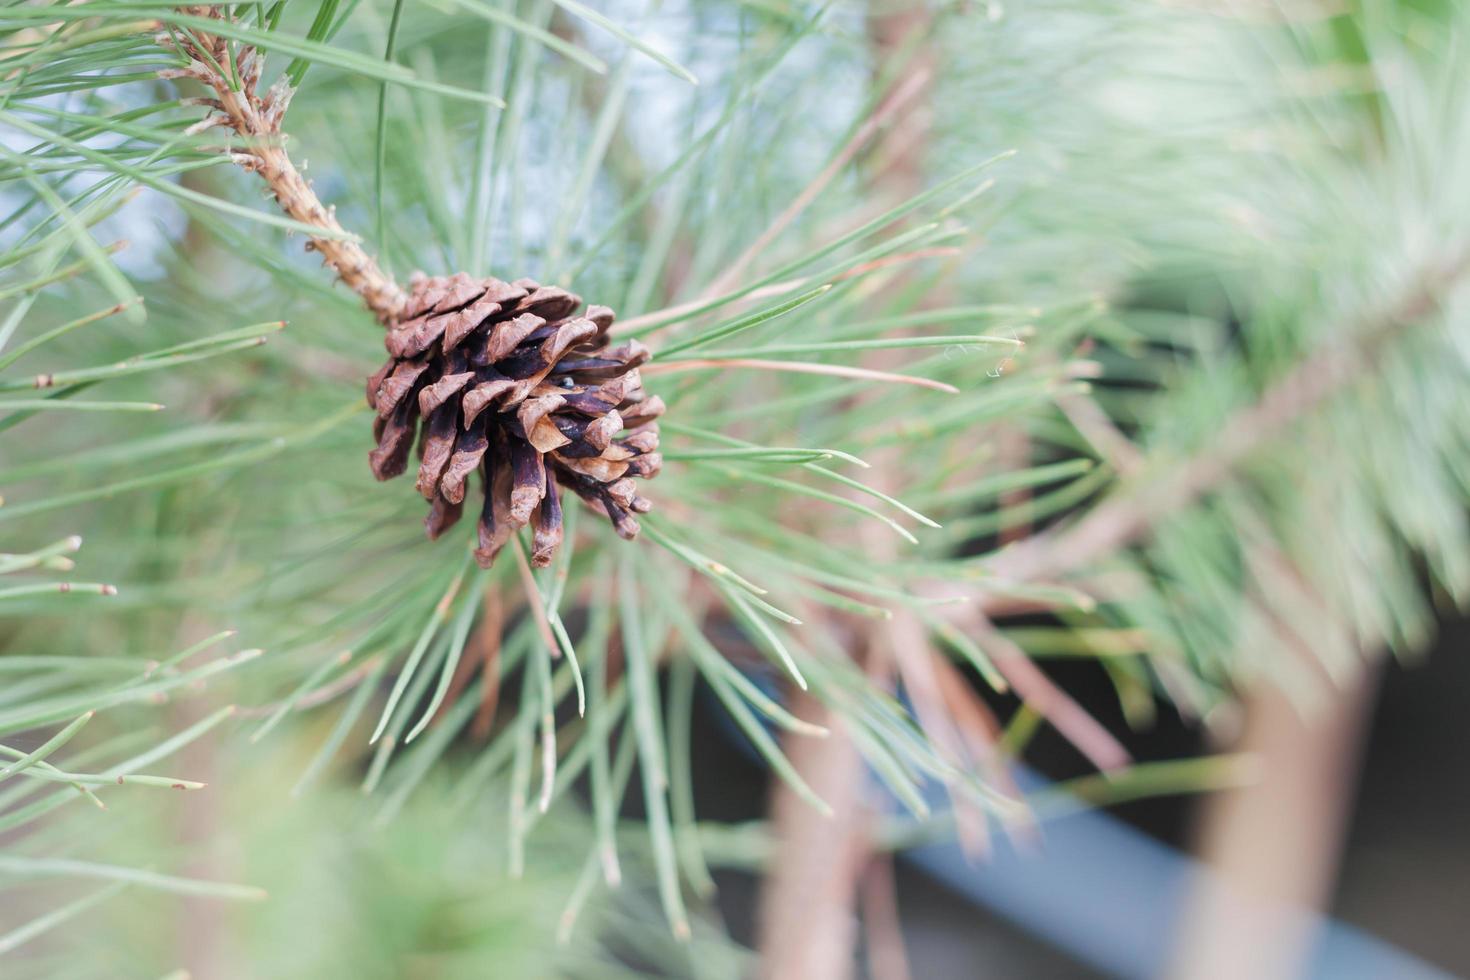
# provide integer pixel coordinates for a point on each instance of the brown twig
(1037, 690)
(233, 75)
(489, 637)
(916, 661)
(981, 732)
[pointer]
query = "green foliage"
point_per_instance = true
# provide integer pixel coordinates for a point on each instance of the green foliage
(430, 892)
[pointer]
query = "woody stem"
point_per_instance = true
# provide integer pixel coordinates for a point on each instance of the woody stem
(233, 77)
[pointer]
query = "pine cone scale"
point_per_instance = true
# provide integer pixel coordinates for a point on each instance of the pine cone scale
(546, 528)
(463, 323)
(506, 337)
(442, 390)
(392, 389)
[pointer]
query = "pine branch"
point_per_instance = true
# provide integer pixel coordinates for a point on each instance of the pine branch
(234, 76)
(1131, 513)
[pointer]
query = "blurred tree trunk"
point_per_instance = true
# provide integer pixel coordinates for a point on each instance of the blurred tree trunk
(808, 929)
(1271, 849)
(808, 926)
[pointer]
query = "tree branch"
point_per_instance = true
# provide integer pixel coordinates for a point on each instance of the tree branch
(1132, 511)
(234, 76)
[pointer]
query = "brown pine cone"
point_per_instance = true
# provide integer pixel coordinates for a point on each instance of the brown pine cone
(508, 381)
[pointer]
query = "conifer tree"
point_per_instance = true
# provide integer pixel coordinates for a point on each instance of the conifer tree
(921, 343)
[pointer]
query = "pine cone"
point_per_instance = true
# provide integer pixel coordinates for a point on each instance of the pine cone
(509, 382)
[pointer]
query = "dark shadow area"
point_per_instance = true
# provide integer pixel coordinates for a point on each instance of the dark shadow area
(1406, 870)
(1406, 873)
